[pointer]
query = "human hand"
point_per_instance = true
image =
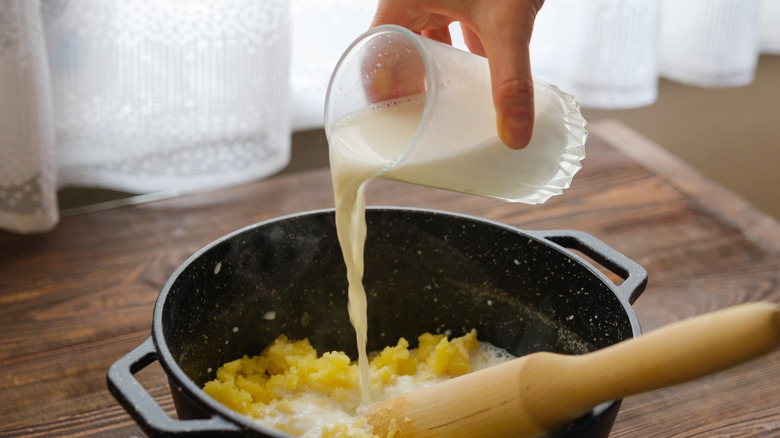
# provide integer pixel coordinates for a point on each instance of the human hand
(497, 29)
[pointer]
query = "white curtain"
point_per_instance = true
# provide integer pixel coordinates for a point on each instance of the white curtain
(139, 96)
(183, 95)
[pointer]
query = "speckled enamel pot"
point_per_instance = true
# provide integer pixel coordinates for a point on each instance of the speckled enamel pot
(426, 270)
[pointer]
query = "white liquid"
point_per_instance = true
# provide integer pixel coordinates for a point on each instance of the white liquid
(363, 146)
(374, 138)
(353, 162)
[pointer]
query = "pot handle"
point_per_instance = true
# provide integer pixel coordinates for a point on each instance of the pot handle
(144, 408)
(634, 276)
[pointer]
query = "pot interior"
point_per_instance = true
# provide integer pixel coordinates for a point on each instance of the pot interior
(425, 271)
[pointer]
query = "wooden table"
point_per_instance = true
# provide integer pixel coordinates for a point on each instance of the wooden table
(75, 300)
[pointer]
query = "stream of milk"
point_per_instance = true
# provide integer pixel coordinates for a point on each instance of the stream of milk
(364, 144)
(359, 146)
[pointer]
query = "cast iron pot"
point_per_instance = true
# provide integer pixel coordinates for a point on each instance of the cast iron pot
(426, 271)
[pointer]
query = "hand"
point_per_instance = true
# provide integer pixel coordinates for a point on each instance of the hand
(497, 29)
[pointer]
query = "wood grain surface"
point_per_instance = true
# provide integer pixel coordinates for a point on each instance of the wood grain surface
(75, 300)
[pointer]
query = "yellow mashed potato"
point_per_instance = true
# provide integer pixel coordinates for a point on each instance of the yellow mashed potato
(288, 385)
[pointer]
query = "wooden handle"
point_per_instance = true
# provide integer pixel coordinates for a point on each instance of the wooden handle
(542, 392)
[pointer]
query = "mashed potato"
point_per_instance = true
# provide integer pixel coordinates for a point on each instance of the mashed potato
(292, 389)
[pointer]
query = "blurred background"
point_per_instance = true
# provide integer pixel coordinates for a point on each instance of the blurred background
(104, 102)
(731, 135)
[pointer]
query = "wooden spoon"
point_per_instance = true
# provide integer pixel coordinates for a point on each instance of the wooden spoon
(542, 392)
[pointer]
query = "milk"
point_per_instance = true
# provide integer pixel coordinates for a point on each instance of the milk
(376, 140)
(374, 143)
(350, 170)
(359, 146)
(362, 146)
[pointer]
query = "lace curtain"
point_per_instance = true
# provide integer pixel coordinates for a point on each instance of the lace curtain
(183, 95)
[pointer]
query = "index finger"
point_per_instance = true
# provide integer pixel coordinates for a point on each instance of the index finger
(510, 67)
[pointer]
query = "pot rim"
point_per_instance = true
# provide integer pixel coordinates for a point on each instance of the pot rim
(196, 395)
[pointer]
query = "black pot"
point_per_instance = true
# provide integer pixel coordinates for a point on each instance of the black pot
(425, 271)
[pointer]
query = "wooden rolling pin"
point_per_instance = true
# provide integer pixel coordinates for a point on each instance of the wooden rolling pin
(542, 392)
